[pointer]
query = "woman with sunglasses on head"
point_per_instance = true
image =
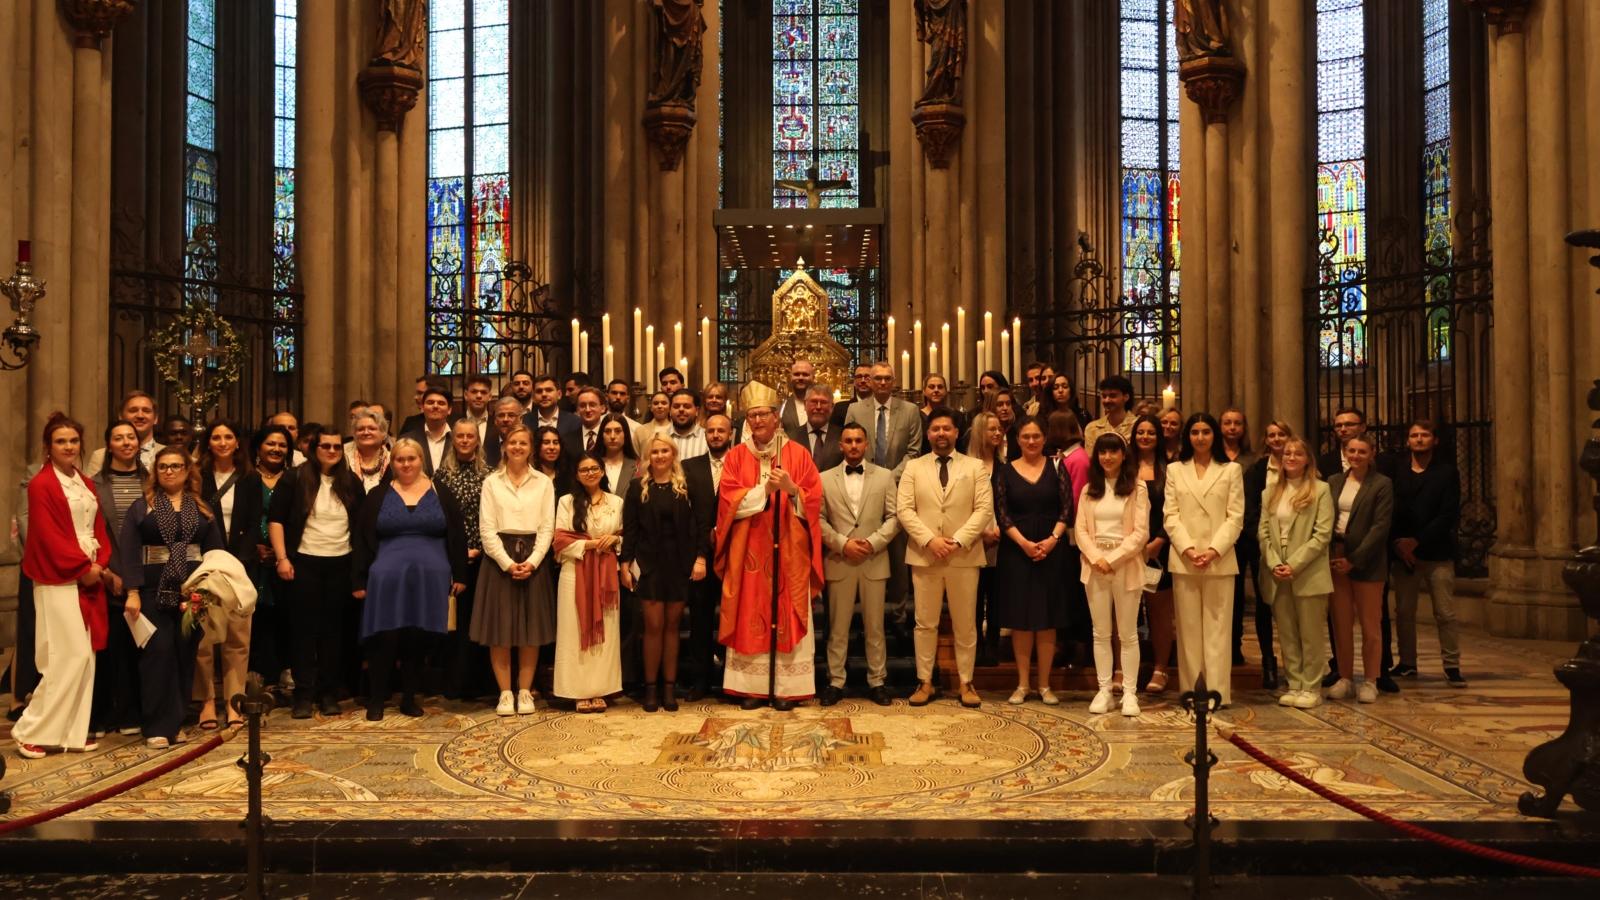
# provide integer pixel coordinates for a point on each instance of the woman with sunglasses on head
(163, 537)
(224, 465)
(588, 538)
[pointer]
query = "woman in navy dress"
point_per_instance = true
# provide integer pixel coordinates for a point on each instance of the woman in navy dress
(411, 557)
(1033, 504)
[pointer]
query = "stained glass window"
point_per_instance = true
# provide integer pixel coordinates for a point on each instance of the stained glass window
(816, 97)
(1150, 187)
(469, 182)
(200, 113)
(1342, 181)
(1436, 244)
(283, 110)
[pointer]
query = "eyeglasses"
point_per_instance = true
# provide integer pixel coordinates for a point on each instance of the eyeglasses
(589, 471)
(330, 446)
(171, 467)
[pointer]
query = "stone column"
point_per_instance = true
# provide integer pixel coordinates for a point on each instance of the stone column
(901, 227)
(1288, 187)
(54, 370)
(1194, 300)
(1213, 83)
(1249, 373)
(620, 98)
(315, 90)
(411, 258)
(991, 190)
(390, 91)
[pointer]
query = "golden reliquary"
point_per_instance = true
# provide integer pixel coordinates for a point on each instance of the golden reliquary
(800, 331)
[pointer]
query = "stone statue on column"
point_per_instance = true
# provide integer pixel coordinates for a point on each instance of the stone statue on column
(938, 115)
(402, 33)
(1202, 27)
(1212, 76)
(669, 104)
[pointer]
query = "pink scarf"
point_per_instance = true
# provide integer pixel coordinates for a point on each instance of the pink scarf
(597, 588)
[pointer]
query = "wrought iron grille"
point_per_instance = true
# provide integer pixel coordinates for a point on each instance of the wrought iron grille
(1412, 342)
(1097, 328)
(515, 323)
(266, 319)
(744, 315)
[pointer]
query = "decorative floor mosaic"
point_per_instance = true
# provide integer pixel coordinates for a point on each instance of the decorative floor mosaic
(1429, 753)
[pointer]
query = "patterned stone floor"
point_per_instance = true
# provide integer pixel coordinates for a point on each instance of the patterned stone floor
(1430, 753)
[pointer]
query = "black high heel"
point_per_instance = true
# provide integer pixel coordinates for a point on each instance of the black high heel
(650, 702)
(669, 698)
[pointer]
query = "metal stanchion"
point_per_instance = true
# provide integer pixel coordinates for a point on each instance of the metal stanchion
(253, 704)
(5, 796)
(1200, 703)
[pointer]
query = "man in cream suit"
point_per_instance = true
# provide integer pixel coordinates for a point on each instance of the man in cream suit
(858, 522)
(944, 503)
(894, 437)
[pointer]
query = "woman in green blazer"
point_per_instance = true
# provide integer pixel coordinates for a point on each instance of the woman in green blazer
(1295, 530)
(1363, 510)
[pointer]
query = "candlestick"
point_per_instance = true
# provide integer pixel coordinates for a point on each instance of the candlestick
(24, 251)
(605, 333)
(638, 346)
(905, 367)
(1005, 354)
(916, 354)
(610, 363)
(677, 344)
(961, 345)
(944, 355)
(651, 365)
(1169, 398)
(889, 355)
(708, 354)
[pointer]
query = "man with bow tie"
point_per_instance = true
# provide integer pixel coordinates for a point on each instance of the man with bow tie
(858, 522)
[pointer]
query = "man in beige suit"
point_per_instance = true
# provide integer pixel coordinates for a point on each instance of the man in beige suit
(944, 504)
(858, 522)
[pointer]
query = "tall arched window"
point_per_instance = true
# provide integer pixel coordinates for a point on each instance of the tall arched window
(200, 114)
(1149, 191)
(1342, 181)
(283, 111)
(469, 180)
(816, 97)
(1436, 239)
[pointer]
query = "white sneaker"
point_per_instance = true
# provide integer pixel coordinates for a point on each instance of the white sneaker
(1308, 700)
(1367, 692)
(1101, 702)
(1340, 689)
(1048, 697)
(1288, 698)
(1018, 697)
(286, 680)
(507, 705)
(525, 703)
(157, 743)
(1130, 704)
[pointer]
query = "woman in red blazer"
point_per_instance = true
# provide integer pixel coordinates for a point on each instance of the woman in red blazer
(66, 556)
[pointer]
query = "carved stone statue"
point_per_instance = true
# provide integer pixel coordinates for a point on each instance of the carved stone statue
(1202, 27)
(942, 25)
(678, 52)
(402, 33)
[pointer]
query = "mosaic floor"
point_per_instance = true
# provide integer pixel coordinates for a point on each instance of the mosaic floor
(1430, 753)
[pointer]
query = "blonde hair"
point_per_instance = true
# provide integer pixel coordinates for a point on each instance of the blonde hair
(532, 450)
(1307, 489)
(675, 474)
(404, 444)
(476, 464)
(978, 438)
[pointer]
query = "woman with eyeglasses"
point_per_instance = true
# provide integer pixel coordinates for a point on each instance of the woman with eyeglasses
(368, 454)
(410, 558)
(311, 527)
(588, 538)
(224, 465)
(163, 536)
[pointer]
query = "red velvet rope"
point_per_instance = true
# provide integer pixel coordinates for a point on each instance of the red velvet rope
(187, 757)
(1416, 831)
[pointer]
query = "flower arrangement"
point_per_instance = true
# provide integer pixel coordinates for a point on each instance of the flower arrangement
(198, 610)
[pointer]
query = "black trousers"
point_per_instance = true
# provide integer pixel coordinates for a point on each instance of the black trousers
(116, 675)
(405, 645)
(465, 663)
(26, 672)
(1249, 556)
(704, 598)
(270, 630)
(988, 626)
(166, 673)
(320, 598)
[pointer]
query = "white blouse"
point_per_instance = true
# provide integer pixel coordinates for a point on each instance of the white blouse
(224, 501)
(1347, 502)
(509, 508)
(327, 531)
(1108, 512)
(605, 517)
(84, 506)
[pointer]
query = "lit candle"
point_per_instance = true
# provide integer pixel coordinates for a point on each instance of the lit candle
(660, 361)
(961, 345)
(638, 345)
(677, 344)
(577, 348)
(988, 339)
(836, 395)
(916, 355)
(583, 351)
(611, 363)
(647, 372)
(1005, 353)
(905, 366)
(1016, 348)
(683, 366)
(605, 333)
(24, 251)
(944, 357)
(982, 349)
(933, 359)
(708, 355)
(890, 355)
(1169, 398)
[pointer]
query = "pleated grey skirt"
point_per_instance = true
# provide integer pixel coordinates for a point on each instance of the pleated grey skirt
(510, 613)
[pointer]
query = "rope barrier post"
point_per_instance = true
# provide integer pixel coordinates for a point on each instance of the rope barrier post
(253, 704)
(5, 796)
(1200, 703)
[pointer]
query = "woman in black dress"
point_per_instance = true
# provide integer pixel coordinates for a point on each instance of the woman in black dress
(658, 526)
(1033, 505)
(1149, 455)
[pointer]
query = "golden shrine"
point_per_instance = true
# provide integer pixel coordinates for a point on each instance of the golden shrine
(800, 331)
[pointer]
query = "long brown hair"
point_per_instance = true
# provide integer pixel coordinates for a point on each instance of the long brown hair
(1127, 476)
(191, 484)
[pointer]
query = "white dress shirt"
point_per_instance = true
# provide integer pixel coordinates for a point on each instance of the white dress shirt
(690, 443)
(853, 482)
(513, 508)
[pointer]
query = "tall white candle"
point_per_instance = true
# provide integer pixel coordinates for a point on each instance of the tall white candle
(933, 360)
(982, 349)
(647, 372)
(961, 345)
(577, 349)
(605, 333)
(583, 352)
(988, 340)
(1169, 398)
(889, 354)
(1016, 348)
(905, 367)
(611, 363)
(916, 354)
(944, 357)
(638, 346)
(660, 361)
(683, 366)
(677, 342)
(708, 353)
(1005, 353)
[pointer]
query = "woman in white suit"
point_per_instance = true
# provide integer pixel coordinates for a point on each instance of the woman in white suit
(1204, 515)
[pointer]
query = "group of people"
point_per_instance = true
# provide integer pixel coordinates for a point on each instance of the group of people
(435, 555)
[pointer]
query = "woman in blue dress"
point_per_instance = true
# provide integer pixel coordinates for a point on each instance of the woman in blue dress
(410, 558)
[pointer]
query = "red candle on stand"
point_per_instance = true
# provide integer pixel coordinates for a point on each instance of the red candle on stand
(24, 252)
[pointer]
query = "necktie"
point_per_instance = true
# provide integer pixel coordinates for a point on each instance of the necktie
(590, 445)
(855, 470)
(816, 440)
(944, 471)
(880, 451)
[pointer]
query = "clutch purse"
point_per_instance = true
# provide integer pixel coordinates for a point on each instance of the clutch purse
(1152, 576)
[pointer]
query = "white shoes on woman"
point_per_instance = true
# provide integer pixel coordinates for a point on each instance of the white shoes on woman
(525, 703)
(507, 705)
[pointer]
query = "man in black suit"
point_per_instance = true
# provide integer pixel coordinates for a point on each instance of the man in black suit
(434, 432)
(414, 421)
(547, 411)
(505, 413)
(818, 432)
(1348, 422)
(703, 476)
(863, 390)
(802, 375)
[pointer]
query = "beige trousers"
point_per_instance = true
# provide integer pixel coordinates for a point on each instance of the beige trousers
(1204, 607)
(931, 585)
(235, 661)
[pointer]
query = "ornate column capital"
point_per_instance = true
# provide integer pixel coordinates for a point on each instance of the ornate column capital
(939, 127)
(390, 91)
(92, 20)
(1213, 83)
(667, 126)
(1505, 15)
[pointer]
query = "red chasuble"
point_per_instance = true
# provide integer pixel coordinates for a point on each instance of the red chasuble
(744, 552)
(51, 554)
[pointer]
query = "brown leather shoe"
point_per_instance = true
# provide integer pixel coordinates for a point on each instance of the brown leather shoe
(924, 693)
(969, 697)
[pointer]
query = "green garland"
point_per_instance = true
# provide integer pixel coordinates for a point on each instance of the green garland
(172, 354)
